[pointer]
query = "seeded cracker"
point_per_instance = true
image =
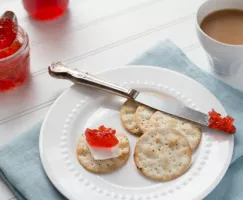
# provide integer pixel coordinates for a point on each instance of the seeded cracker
(142, 117)
(162, 154)
(102, 166)
(190, 130)
(127, 115)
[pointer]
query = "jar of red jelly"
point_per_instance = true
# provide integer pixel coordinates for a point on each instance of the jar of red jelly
(15, 62)
(45, 9)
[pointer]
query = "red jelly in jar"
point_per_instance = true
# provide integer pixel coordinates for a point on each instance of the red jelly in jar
(45, 9)
(14, 55)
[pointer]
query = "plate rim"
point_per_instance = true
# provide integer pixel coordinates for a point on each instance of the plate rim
(60, 188)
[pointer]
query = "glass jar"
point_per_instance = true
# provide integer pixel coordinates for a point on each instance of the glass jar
(45, 9)
(15, 68)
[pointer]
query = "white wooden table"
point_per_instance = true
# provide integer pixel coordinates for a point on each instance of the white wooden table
(93, 35)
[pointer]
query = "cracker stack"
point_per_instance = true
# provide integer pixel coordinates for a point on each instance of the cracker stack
(164, 150)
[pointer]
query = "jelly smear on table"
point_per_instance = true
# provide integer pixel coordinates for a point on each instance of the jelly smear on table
(45, 9)
(216, 121)
(101, 137)
(14, 70)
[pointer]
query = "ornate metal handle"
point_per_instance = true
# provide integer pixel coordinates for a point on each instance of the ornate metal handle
(61, 71)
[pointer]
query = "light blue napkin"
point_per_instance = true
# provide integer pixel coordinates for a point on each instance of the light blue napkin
(20, 165)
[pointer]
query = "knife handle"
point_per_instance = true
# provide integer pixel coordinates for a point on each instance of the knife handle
(61, 71)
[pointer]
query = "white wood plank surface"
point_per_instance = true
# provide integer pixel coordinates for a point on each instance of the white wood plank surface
(89, 41)
(93, 35)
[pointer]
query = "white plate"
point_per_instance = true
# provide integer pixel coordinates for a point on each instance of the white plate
(81, 107)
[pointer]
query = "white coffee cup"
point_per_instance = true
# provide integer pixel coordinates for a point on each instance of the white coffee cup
(225, 59)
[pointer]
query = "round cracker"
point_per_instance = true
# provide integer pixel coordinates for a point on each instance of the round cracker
(142, 117)
(102, 166)
(162, 154)
(190, 130)
(127, 115)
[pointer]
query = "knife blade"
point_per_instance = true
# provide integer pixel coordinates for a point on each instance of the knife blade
(172, 108)
(61, 71)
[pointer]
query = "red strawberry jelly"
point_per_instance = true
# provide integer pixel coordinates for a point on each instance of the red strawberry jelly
(45, 9)
(8, 32)
(14, 55)
(101, 137)
(216, 121)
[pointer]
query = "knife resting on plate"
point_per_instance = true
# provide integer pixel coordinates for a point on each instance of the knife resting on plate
(61, 71)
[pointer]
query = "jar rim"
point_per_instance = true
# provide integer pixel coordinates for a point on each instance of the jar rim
(22, 48)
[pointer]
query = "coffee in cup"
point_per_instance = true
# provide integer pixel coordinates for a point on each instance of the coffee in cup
(225, 26)
(220, 32)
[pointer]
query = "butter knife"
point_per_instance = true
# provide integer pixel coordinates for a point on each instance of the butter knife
(61, 71)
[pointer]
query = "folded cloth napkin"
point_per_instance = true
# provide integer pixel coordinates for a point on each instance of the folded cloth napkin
(20, 165)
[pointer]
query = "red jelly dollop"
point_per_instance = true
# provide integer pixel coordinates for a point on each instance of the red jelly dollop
(8, 32)
(101, 137)
(216, 121)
